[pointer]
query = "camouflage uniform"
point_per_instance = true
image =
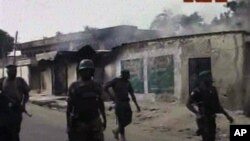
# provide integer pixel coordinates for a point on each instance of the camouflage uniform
(208, 105)
(83, 106)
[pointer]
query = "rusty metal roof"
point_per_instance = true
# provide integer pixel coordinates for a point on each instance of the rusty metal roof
(46, 56)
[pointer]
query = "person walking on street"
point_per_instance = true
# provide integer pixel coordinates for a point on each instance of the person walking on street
(14, 93)
(85, 104)
(204, 103)
(122, 88)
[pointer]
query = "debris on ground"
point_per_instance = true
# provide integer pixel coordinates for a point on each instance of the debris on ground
(157, 118)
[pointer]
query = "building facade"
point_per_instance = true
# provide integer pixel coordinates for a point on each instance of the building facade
(161, 68)
(167, 67)
(53, 61)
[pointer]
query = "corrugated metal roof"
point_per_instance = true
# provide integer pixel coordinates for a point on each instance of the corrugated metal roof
(46, 56)
(186, 36)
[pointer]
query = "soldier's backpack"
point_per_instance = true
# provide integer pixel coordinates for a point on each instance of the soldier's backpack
(86, 101)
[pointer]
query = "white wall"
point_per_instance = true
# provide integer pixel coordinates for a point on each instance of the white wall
(225, 50)
(22, 71)
(47, 80)
(72, 73)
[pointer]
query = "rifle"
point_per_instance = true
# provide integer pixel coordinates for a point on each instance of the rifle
(13, 102)
(71, 121)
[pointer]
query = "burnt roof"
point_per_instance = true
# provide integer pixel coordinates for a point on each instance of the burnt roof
(105, 38)
(187, 36)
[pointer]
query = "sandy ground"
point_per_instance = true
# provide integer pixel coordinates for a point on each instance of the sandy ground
(173, 122)
(163, 121)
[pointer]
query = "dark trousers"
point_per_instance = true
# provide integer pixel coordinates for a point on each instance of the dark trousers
(124, 115)
(10, 131)
(87, 131)
(207, 127)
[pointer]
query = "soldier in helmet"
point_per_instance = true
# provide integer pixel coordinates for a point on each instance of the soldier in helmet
(84, 106)
(14, 93)
(204, 103)
(122, 88)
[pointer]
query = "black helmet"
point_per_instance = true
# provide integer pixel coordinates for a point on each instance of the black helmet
(86, 64)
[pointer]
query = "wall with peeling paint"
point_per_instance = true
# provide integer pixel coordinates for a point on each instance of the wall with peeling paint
(146, 51)
(224, 49)
(226, 52)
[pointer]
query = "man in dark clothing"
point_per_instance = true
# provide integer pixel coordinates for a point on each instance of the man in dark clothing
(205, 98)
(15, 93)
(84, 106)
(122, 88)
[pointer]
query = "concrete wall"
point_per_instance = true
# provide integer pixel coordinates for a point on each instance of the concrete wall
(22, 71)
(110, 71)
(3, 72)
(72, 76)
(225, 51)
(146, 51)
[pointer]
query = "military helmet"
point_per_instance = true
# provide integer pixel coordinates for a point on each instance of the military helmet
(86, 64)
(205, 75)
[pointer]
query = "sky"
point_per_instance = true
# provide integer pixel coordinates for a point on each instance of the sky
(35, 19)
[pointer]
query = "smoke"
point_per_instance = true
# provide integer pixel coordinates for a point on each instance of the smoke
(110, 37)
(236, 18)
(240, 18)
(169, 24)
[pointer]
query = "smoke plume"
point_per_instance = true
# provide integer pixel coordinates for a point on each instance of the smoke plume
(236, 18)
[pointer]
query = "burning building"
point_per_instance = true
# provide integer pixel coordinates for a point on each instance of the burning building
(166, 68)
(161, 68)
(51, 63)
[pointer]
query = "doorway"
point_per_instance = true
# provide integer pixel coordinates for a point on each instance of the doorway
(197, 65)
(59, 78)
(35, 78)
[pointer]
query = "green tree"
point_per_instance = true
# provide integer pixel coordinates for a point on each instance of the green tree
(6, 43)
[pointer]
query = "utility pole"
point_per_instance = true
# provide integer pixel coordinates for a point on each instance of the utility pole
(15, 46)
(3, 60)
